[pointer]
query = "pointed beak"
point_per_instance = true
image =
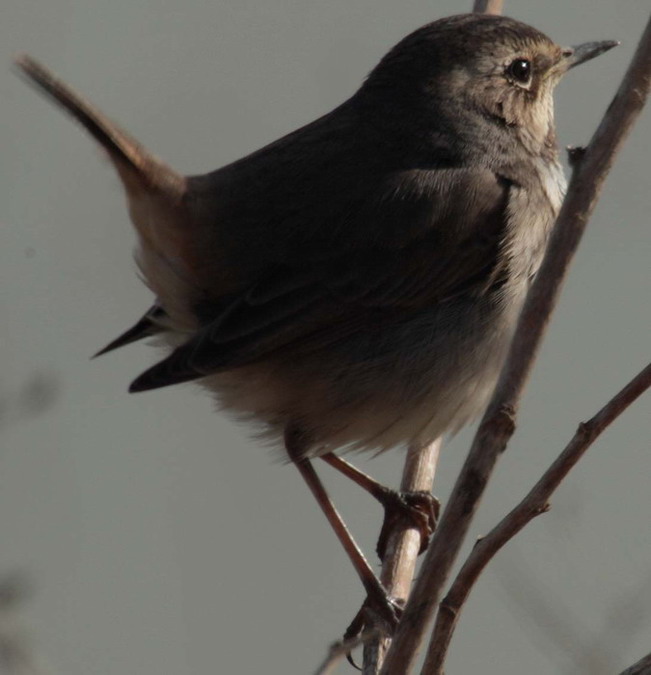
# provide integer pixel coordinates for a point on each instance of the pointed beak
(573, 56)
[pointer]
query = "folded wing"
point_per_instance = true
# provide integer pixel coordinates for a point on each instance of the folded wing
(320, 299)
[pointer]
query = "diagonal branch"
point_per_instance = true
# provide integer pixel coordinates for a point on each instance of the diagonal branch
(535, 503)
(497, 425)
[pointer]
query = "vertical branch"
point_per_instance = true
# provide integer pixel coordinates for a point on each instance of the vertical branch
(488, 6)
(497, 425)
(418, 474)
(403, 545)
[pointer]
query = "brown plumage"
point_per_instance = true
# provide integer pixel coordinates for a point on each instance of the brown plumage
(360, 278)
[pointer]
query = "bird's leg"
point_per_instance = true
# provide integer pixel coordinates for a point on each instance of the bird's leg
(421, 508)
(388, 611)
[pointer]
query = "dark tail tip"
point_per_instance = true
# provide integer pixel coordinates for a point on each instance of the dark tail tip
(142, 383)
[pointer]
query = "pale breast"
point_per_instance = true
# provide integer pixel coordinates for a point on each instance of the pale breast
(532, 212)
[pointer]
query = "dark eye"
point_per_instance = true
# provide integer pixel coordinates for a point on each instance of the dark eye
(520, 71)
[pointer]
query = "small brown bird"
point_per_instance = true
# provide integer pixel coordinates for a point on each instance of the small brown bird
(356, 284)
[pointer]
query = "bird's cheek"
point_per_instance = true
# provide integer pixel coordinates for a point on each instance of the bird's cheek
(507, 110)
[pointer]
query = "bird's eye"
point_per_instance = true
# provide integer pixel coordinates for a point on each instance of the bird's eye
(519, 71)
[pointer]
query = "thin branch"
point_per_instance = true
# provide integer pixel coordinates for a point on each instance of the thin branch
(535, 503)
(403, 544)
(498, 425)
(642, 667)
(488, 6)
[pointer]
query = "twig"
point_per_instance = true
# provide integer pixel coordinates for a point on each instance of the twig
(488, 6)
(497, 425)
(403, 545)
(642, 667)
(418, 474)
(535, 503)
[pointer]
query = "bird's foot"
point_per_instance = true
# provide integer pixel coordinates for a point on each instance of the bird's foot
(418, 509)
(381, 615)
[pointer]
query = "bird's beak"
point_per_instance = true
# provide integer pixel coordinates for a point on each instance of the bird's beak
(573, 56)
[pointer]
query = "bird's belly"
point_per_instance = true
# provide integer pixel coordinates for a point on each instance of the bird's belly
(410, 382)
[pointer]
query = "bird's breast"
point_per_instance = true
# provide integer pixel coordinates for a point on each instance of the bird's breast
(531, 213)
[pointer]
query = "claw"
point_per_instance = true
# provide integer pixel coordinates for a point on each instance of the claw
(384, 618)
(354, 629)
(416, 509)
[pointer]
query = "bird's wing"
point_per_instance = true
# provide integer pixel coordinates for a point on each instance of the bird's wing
(149, 324)
(443, 239)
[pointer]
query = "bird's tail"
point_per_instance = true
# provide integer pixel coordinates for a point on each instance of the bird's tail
(137, 168)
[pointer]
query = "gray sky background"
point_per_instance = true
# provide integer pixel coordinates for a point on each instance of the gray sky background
(161, 539)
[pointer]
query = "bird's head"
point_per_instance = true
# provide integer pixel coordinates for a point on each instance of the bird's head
(494, 69)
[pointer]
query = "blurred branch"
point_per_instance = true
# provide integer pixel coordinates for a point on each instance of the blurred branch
(15, 655)
(621, 625)
(551, 623)
(535, 503)
(559, 630)
(488, 6)
(498, 423)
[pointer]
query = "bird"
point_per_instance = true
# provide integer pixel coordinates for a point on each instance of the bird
(355, 285)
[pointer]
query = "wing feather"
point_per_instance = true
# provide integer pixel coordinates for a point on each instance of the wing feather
(323, 297)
